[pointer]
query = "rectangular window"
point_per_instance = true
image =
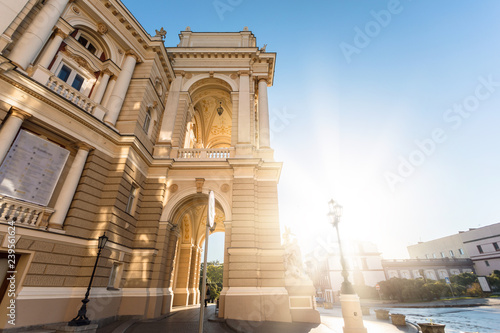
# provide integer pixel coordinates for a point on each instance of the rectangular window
(495, 245)
(64, 73)
(131, 200)
(443, 255)
(82, 40)
(461, 251)
(451, 253)
(77, 82)
(426, 256)
(487, 263)
(480, 249)
(115, 276)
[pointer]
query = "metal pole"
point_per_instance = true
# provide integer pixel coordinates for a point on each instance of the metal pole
(346, 287)
(81, 319)
(204, 281)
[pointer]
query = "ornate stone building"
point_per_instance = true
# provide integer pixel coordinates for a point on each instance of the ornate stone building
(105, 130)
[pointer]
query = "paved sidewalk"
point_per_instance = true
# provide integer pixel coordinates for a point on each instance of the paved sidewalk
(185, 320)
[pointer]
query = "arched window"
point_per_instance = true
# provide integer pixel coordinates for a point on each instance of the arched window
(147, 121)
(89, 43)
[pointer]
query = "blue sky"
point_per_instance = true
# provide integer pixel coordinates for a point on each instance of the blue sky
(345, 121)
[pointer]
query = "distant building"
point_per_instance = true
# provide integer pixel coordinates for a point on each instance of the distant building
(481, 245)
(364, 264)
(432, 269)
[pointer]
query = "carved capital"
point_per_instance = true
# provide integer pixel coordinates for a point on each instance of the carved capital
(84, 146)
(106, 71)
(18, 113)
(60, 33)
(131, 53)
(240, 73)
(175, 230)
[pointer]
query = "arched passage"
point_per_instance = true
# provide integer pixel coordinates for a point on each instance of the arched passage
(190, 216)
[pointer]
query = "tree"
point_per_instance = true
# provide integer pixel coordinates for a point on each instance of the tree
(215, 271)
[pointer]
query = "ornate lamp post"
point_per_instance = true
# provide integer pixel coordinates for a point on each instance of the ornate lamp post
(335, 212)
(349, 301)
(81, 319)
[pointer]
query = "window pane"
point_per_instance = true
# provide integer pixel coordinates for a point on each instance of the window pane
(82, 40)
(77, 82)
(91, 48)
(64, 73)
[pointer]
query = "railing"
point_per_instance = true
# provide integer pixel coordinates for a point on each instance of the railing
(71, 94)
(204, 154)
(24, 213)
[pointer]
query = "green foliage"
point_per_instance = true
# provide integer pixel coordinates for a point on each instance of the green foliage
(494, 280)
(464, 279)
(427, 290)
(215, 271)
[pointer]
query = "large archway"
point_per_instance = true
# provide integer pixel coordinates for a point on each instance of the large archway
(190, 216)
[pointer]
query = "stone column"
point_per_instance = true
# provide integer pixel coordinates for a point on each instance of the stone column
(169, 271)
(69, 187)
(167, 127)
(31, 42)
(109, 90)
(52, 48)
(244, 109)
(120, 89)
(101, 87)
(9, 130)
(264, 134)
(193, 277)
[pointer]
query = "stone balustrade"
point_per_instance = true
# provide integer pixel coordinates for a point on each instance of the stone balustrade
(71, 94)
(204, 154)
(24, 213)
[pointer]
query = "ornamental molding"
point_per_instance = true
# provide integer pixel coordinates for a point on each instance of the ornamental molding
(102, 28)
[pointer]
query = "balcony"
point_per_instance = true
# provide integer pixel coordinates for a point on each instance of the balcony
(71, 94)
(24, 213)
(220, 154)
(61, 88)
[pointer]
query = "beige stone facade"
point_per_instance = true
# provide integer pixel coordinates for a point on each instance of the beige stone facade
(148, 131)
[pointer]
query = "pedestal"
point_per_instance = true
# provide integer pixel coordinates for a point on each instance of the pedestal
(301, 292)
(431, 328)
(382, 314)
(351, 311)
(398, 319)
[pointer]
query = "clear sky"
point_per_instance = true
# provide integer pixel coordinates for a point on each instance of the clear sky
(390, 107)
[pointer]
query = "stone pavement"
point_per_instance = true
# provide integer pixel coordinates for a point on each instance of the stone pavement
(185, 320)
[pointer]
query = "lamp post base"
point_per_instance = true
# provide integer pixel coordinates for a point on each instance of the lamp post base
(351, 312)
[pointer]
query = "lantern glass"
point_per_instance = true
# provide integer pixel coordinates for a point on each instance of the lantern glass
(102, 241)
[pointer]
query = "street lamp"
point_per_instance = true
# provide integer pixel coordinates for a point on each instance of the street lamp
(349, 301)
(81, 319)
(335, 212)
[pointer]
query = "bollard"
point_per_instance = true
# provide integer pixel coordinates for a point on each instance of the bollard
(398, 319)
(431, 328)
(382, 314)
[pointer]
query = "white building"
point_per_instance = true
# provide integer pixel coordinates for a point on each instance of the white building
(481, 245)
